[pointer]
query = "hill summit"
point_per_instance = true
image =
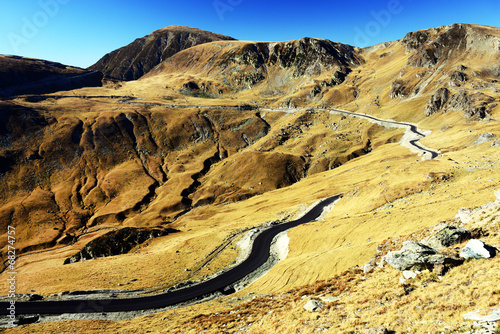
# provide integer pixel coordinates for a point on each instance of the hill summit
(137, 58)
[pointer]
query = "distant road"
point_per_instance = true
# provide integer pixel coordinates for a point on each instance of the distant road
(223, 283)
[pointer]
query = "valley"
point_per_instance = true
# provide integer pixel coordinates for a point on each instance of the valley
(219, 137)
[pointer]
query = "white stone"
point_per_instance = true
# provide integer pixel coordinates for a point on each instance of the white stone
(328, 299)
(475, 249)
(313, 306)
(497, 194)
(465, 215)
(408, 274)
(492, 314)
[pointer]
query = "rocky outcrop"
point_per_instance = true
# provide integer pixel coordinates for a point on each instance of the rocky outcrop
(417, 256)
(428, 47)
(431, 47)
(116, 243)
(136, 59)
(437, 101)
(448, 236)
(484, 138)
(473, 105)
(399, 89)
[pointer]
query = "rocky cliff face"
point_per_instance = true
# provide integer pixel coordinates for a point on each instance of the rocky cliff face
(136, 59)
(433, 46)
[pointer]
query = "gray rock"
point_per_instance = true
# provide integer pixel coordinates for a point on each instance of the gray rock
(437, 101)
(484, 138)
(492, 314)
(476, 249)
(369, 266)
(414, 256)
(377, 330)
(458, 76)
(474, 106)
(313, 305)
(448, 236)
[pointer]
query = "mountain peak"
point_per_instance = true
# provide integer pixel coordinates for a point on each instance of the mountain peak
(137, 58)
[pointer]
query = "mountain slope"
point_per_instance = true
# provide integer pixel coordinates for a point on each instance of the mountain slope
(270, 68)
(139, 57)
(21, 75)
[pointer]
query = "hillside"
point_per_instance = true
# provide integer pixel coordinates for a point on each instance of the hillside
(136, 59)
(20, 75)
(227, 136)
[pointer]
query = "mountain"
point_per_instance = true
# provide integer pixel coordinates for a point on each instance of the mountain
(20, 75)
(221, 67)
(136, 59)
(159, 182)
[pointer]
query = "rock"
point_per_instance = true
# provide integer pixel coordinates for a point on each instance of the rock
(399, 89)
(474, 106)
(328, 299)
(369, 266)
(437, 101)
(408, 274)
(497, 195)
(476, 249)
(440, 269)
(26, 320)
(313, 306)
(377, 330)
(492, 314)
(415, 256)
(35, 297)
(448, 236)
(458, 76)
(464, 215)
(484, 138)
(117, 242)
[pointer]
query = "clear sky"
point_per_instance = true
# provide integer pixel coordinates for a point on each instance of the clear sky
(79, 32)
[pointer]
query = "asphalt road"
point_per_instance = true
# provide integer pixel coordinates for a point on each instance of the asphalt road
(223, 283)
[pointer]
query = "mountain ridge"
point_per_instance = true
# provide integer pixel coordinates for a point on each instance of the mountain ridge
(132, 61)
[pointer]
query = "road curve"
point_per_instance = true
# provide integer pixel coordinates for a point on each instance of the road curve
(223, 283)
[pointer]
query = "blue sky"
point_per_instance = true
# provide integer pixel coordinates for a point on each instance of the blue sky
(79, 32)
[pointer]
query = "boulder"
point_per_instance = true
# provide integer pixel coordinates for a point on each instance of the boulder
(476, 249)
(448, 236)
(313, 305)
(415, 256)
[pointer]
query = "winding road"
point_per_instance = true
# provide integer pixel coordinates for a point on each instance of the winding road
(223, 283)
